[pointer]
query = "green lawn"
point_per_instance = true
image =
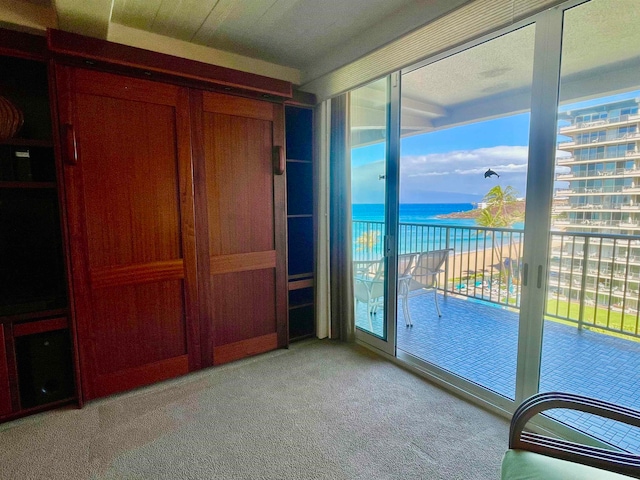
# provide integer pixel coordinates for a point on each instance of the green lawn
(594, 317)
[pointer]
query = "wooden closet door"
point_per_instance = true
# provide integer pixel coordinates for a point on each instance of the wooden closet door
(242, 225)
(129, 183)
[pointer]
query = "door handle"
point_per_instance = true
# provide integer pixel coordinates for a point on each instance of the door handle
(278, 160)
(71, 143)
(539, 276)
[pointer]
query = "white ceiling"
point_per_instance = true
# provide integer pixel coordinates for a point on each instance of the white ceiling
(312, 36)
(294, 33)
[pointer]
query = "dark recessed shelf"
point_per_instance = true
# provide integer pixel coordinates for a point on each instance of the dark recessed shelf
(300, 222)
(49, 185)
(293, 307)
(300, 276)
(298, 284)
(27, 142)
(34, 316)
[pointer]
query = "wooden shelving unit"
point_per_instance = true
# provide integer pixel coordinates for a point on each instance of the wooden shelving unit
(300, 220)
(36, 359)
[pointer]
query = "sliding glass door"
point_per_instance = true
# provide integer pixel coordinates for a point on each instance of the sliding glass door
(463, 168)
(372, 214)
(496, 200)
(591, 339)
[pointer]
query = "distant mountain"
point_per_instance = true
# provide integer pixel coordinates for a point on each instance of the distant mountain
(443, 197)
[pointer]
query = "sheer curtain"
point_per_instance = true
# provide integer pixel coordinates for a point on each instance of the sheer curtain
(334, 271)
(342, 313)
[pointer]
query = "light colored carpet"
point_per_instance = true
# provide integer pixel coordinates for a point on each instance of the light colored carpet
(320, 410)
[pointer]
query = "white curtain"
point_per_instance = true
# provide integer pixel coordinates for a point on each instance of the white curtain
(334, 275)
(322, 122)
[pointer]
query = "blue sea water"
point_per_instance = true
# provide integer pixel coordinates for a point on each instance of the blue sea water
(421, 229)
(416, 213)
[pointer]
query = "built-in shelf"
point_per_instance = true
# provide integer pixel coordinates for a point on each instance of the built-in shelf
(49, 185)
(36, 342)
(42, 314)
(302, 305)
(27, 142)
(298, 284)
(34, 327)
(300, 221)
(301, 275)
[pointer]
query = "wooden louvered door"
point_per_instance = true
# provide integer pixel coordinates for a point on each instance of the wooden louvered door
(240, 202)
(129, 193)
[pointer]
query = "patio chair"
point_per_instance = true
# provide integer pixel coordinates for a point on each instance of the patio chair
(406, 264)
(423, 279)
(368, 285)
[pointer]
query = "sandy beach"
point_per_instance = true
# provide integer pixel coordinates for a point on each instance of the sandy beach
(478, 262)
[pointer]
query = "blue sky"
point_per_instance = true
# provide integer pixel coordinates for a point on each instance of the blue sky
(448, 166)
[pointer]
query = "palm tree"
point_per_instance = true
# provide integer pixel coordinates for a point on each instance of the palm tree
(499, 213)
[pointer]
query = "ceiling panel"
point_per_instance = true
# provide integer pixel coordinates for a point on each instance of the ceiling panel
(182, 19)
(293, 33)
(135, 13)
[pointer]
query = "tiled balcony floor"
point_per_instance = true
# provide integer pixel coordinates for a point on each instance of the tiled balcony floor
(478, 341)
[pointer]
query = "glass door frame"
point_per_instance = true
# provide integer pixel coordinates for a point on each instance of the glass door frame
(387, 345)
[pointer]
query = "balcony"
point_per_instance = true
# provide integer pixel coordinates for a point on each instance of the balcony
(617, 173)
(591, 313)
(610, 137)
(596, 124)
(599, 158)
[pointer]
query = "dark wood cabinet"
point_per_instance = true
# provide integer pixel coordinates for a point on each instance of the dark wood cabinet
(177, 226)
(163, 194)
(36, 342)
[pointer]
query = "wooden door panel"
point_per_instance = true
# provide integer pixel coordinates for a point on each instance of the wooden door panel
(241, 262)
(238, 107)
(243, 269)
(240, 177)
(129, 170)
(112, 85)
(138, 325)
(245, 305)
(131, 220)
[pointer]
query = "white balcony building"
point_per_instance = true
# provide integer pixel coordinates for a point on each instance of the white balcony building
(600, 195)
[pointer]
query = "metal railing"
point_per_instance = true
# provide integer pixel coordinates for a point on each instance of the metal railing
(600, 138)
(594, 279)
(600, 121)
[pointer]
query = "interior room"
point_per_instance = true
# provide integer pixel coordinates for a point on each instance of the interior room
(319, 239)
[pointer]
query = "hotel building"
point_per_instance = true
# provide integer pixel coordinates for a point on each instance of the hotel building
(599, 170)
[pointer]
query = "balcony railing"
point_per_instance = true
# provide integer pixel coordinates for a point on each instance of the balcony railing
(597, 158)
(594, 279)
(600, 122)
(619, 172)
(608, 137)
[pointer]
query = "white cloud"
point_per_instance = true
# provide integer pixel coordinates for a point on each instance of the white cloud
(461, 171)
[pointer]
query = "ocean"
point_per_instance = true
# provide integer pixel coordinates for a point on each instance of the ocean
(417, 213)
(457, 233)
